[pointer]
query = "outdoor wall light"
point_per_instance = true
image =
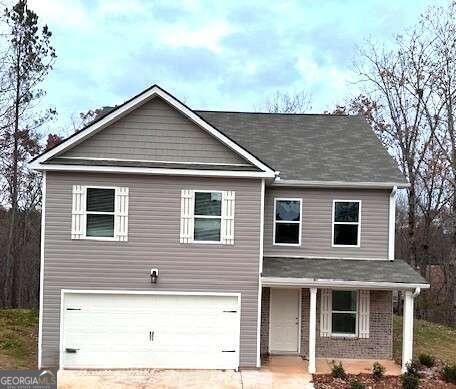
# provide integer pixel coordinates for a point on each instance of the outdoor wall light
(153, 276)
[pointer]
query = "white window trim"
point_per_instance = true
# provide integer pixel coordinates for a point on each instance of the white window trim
(274, 221)
(195, 216)
(105, 238)
(358, 223)
(342, 334)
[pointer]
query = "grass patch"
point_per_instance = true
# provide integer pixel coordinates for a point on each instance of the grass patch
(18, 338)
(428, 338)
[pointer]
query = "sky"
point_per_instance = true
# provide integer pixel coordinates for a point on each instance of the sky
(220, 55)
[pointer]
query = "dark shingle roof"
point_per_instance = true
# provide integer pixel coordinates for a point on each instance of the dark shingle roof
(307, 147)
(310, 147)
(167, 165)
(396, 271)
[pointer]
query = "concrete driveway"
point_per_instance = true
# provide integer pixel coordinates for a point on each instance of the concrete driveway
(189, 379)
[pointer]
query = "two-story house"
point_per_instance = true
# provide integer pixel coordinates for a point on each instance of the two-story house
(174, 238)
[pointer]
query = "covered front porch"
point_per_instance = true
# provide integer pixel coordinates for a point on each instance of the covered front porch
(319, 310)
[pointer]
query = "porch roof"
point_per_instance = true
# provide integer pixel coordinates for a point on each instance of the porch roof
(321, 272)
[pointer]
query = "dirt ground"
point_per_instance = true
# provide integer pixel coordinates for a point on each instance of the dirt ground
(430, 378)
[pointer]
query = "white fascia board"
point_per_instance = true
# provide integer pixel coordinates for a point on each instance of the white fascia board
(154, 171)
(139, 100)
(338, 284)
(339, 184)
(325, 257)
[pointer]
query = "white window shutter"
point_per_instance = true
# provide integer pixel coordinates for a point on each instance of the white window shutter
(325, 313)
(78, 216)
(227, 227)
(187, 211)
(121, 214)
(363, 313)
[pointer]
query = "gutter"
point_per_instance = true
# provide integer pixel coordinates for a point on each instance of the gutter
(339, 184)
(335, 284)
(153, 171)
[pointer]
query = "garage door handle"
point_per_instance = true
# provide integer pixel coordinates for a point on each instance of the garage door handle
(228, 351)
(229, 311)
(151, 335)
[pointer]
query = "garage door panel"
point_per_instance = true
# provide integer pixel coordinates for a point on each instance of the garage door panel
(164, 331)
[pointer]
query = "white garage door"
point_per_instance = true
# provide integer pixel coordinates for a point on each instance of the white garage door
(150, 331)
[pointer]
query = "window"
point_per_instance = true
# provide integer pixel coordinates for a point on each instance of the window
(208, 216)
(346, 223)
(287, 222)
(100, 212)
(344, 312)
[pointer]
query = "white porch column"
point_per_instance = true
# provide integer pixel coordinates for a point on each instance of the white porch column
(407, 330)
(312, 329)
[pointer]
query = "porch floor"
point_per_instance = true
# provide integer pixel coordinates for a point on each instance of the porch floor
(295, 364)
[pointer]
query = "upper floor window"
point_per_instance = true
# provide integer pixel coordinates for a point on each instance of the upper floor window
(287, 221)
(208, 216)
(100, 212)
(344, 313)
(346, 223)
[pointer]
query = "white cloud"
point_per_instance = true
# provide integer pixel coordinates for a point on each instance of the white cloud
(329, 83)
(62, 13)
(120, 7)
(207, 36)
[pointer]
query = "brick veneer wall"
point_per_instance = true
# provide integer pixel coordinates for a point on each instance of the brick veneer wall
(264, 338)
(379, 345)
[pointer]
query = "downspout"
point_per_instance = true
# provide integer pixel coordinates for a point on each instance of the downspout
(392, 223)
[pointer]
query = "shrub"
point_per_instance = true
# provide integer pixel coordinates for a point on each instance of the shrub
(338, 370)
(410, 381)
(411, 378)
(413, 368)
(355, 384)
(378, 371)
(449, 373)
(426, 360)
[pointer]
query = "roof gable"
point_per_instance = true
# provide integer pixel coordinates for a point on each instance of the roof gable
(155, 132)
(133, 104)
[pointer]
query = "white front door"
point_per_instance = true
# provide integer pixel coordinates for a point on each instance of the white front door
(284, 317)
(150, 331)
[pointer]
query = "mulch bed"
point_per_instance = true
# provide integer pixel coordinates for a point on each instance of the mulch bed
(431, 378)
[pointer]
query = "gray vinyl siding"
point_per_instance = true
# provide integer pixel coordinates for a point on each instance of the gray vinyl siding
(316, 233)
(155, 131)
(153, 241)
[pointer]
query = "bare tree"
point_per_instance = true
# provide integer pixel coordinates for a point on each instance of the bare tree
(283, 102)
(85, 118)
(409, 99)
(400, 83)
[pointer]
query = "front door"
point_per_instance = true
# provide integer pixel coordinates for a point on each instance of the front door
(284, 316)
